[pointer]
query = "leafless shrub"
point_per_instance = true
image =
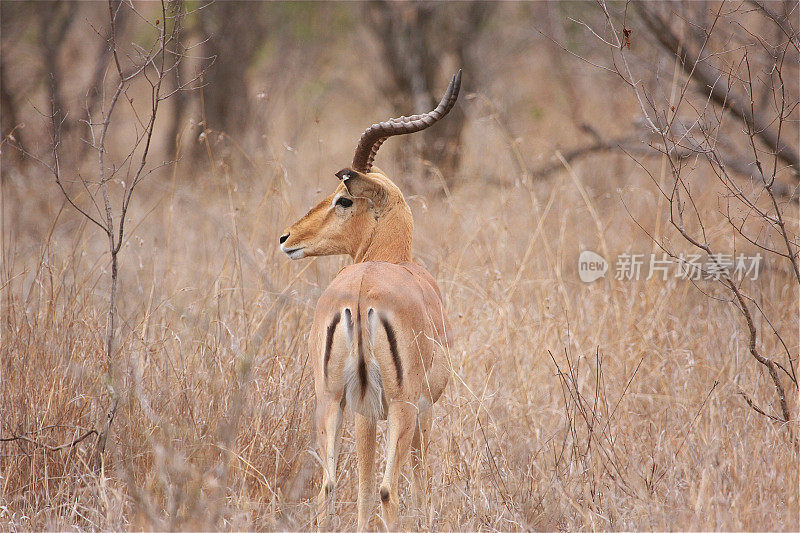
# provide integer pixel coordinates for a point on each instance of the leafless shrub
(139, 65)
(722, 114)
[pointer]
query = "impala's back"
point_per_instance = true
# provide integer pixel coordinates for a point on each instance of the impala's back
(379, 335)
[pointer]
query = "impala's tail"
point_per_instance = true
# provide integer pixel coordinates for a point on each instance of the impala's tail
(362, 373)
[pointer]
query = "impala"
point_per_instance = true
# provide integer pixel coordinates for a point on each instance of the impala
(379, 334)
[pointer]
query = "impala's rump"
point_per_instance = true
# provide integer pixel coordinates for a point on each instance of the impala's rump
(366, 354)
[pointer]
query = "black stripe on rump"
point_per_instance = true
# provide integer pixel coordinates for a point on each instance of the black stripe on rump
(362, 365)
(398, 365)
(329, 342)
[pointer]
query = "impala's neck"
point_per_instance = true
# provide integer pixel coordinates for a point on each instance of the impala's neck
(390, 238)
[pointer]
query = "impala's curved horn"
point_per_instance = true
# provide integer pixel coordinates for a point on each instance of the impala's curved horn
(372, 139)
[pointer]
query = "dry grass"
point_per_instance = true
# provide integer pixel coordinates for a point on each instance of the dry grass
(612, 405)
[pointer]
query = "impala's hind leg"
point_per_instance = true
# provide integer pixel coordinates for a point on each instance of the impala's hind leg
(365, 452)
(329, 429)
(419, 461)
(402, 422)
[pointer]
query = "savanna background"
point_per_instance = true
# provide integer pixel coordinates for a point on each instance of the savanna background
(649, 404)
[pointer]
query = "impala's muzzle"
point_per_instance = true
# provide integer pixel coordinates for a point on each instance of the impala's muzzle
(294, 253)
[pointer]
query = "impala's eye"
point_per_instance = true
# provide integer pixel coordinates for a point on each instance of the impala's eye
(344, 202)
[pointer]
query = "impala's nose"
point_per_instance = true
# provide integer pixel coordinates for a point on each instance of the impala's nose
(283, 238)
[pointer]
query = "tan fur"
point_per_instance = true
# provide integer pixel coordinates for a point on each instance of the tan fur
(378, 227)
(397, 315)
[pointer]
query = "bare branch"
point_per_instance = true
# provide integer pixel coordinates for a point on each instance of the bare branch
(782, 21)
(708, 82)
(48, 447)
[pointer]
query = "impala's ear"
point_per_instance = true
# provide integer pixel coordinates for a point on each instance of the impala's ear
(362, 186)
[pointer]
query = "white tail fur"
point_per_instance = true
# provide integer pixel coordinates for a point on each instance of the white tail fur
(369, 402)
